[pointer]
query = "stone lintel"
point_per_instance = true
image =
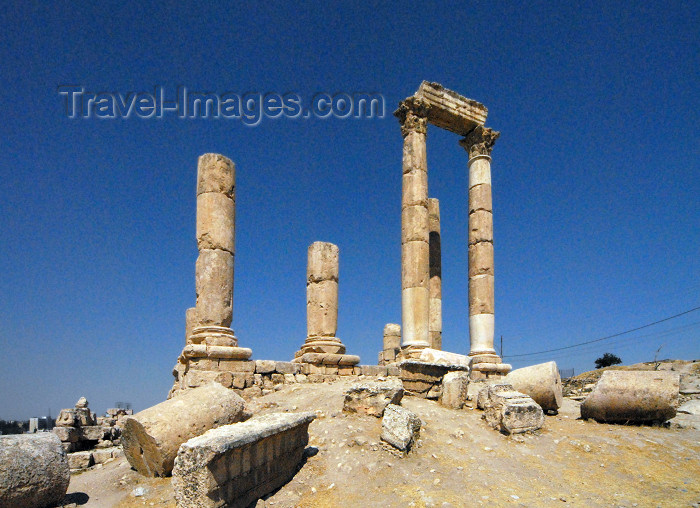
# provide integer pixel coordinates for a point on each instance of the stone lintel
(449, 110)
(327, 359)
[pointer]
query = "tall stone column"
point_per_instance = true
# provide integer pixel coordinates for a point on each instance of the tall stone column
(435, 285)
(322, 276)
(415, 251)
(479, 144)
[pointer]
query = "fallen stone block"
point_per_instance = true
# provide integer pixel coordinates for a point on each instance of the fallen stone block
(430, 355)
(400, 427)
(692, 407)
(541, 382)
(80, 460)
(488, 391)
(234, 465)
(92, 433)
(690, 384)
(372, 397)
(67, 434)
(424, 379)
(34, 470)
(152, 437)
(103, 455)
(513, 412)
(454, 389)
(633, 397)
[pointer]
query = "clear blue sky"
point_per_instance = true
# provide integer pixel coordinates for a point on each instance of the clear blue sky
(595, 179)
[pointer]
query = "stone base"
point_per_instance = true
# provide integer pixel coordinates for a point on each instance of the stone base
(411, 352)
(317, 344)
(327, 359)
(388, 356)
(488, 366)
(424, 379)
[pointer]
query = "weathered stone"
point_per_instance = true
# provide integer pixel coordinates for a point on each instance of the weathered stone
(67, 434)
(277, 379)
(541, 382)
(251, 392)
(301, 378)
(34, 470)
(236, 464)
(481, 259)
(480, 198)
(66, 418)
(449, 110)
(264, 366)
(286, 367)
(392, 336)
(488, 391)
(374, 370)
(454, 389)
(692, 407)
(215, 222)
(322, 308)
(392, 370)
(152, 437)
(481, 294)
(430, 355)
(214, 287)
(415, 313)
(510, 411)
(414, 265)
(92, 433)
(322, 262)
(80, 460)
(216, 173)
(371, 397)
(690, 384)
(289, 379)
(400, 427)
(82, 403)
(633, 396)
(480, 227)
(415, 189)
(413, 221)
(232, 365)
(103, 455)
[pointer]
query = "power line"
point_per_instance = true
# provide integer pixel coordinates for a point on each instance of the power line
(609, 336)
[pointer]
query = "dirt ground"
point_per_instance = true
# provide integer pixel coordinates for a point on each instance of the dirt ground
(460, 462)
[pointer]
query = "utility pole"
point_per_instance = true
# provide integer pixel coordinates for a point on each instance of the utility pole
(501, 346)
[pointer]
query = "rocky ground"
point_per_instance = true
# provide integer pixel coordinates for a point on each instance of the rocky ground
(460, 462)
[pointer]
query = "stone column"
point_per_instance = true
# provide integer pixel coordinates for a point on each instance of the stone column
(415, 295)
(435, 285)
(479, 144)
(210, 320)
(322, 275)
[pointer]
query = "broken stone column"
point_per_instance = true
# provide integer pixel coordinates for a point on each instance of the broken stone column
(541, 382)
(435, 327)
(479, 144)
(415, 250)
(208, 324)
(322, 275)
(34, 470)
(151, 438)
(633, 396)
(391, 343)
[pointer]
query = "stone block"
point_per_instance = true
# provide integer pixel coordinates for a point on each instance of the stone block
(216, 173)
(392, 336)
(251, 392)
(67, 434)
(414, 189)
(434, 392)
(414, 224)
(488, 391)
(301, 378)
(480, 198)
(152, 437)
(322, 262)
(103, 455)
(454, 389)
(34, 470)
(264, 366)
(481, 259)
(400, 427)
(241, 380)
(214, 287)
(541, 382)
(690, 384)
(316, 378)
(429, 355)
(481, 295)
(330, 369)
(92, 433)
(414, 264)
(345, 370)
(66, 418)
(392, 370)
(633, 397)
(247, 366)
(257, 379)
(512, 412)
(374, 370)
(480, 227)
(286, 367)
(235, 465)
(289, 379)
(277, 379)
(322, 308)
(80, 460)
(215, 227)
(371, 397)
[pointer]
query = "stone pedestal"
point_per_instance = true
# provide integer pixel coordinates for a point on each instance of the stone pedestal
(391, 344)
(485, 362)
(435, 285)
(208, 324)
(415, 250)
(322, 275)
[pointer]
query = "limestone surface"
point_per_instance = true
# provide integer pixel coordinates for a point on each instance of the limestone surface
(372, 397)
(633, 396)
(541, 382)
(400, 427)
(236, 464)
(34, 471)
(454, 389)
(151, 438)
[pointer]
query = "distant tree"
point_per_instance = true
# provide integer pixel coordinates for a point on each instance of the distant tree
(607, 360)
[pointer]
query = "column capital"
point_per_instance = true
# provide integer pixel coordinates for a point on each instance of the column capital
(413, 116)
(480, 141)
